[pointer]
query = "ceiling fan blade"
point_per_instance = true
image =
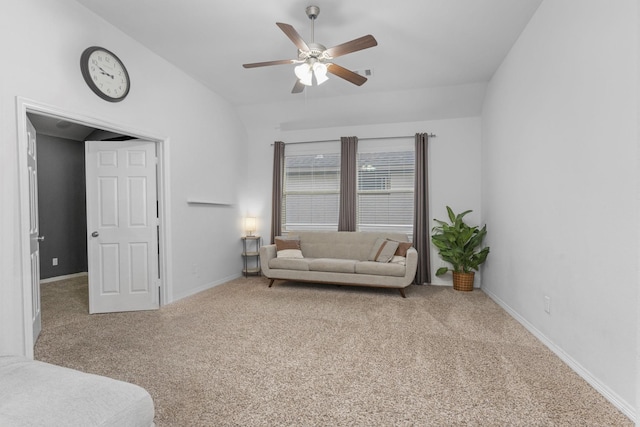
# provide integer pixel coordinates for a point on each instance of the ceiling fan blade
(264, 64)
(363, 42)
(298, 87)
(294, 36)
(348, 75)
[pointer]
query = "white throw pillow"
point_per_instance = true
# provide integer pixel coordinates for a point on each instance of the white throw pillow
(399, 260)
(383, 250)
(290, 253)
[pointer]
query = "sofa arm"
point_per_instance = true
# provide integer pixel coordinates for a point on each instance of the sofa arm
(38, 393)
(267, 253)
(411, 264)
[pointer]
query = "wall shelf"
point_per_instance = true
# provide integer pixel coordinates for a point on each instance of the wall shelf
(206, 202)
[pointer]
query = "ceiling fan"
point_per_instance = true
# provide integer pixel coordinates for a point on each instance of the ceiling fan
(315, 60)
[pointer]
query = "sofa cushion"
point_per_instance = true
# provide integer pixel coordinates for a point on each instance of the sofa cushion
(383, 250)
(380, 268)
(299, 264)
(333, 264)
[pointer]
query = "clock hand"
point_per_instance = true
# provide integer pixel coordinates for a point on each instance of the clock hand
(105, 73)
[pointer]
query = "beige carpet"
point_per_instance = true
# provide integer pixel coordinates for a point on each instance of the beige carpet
(243, 354)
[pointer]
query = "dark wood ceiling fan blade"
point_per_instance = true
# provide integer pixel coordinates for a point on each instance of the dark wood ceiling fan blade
(264, 64)
(348, 75)
(298, 87)
(363, 42)
(293, 36)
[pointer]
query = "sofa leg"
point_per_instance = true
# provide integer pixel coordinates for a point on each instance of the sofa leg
(402, 292)
(271, 282)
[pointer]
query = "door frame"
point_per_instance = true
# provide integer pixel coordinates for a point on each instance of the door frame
(24, 106)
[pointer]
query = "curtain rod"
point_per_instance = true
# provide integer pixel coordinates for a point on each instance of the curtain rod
(431, 135)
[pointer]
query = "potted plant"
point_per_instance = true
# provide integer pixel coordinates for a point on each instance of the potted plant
(459, 244)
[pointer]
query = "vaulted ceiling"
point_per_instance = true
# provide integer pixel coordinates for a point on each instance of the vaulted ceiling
(423, 45)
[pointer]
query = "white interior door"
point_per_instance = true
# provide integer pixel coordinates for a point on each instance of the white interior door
(34, 230)
(122, 226)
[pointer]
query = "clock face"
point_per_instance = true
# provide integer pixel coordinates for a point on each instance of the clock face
(105, 74)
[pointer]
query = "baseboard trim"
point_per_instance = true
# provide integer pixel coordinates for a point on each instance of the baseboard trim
(204, 287)
(65, 277)
(611, 396)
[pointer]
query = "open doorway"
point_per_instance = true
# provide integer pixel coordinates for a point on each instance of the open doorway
(62, 214)
(46, 117)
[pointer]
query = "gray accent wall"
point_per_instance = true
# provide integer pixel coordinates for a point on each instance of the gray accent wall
(61, 206)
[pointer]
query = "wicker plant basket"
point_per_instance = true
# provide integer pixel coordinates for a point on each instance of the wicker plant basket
(463, 281)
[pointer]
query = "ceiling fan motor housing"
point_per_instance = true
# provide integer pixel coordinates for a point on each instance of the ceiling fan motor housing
(316, 50)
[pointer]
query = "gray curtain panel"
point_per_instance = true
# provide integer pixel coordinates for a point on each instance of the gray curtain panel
(348, 166)
(421, 232)
(276, 199)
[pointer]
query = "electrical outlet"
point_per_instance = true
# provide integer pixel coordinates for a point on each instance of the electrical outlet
(547, 304)
(54, 261)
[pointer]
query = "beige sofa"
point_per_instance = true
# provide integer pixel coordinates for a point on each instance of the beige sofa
(342, 258)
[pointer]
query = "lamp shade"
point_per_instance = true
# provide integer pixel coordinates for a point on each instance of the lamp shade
(320, 71)
(250, 225)
(303, 72)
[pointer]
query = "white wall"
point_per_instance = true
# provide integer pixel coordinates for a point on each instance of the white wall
(560, 193)
(310, 111)
(41, 42)
(454, 166)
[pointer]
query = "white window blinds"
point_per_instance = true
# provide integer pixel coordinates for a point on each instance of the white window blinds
(311, 186)
(385, 197)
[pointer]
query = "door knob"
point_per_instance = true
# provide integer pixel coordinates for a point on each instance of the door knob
(95, 234)
(40, 238)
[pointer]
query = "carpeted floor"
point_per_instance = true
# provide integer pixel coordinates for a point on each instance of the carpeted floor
(243, 354)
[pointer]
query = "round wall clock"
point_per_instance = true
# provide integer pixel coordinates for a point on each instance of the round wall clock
(105, 74)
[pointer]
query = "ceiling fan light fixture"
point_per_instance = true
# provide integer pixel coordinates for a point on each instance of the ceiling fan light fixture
(320, 71)
(304, 74)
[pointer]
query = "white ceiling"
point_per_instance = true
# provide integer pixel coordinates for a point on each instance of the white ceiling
(422, 44)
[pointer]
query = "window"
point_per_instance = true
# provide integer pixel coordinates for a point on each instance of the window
(385, 186)
(311, 187)
(385, 183)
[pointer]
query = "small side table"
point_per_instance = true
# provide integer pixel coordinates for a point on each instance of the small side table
(251, 254)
